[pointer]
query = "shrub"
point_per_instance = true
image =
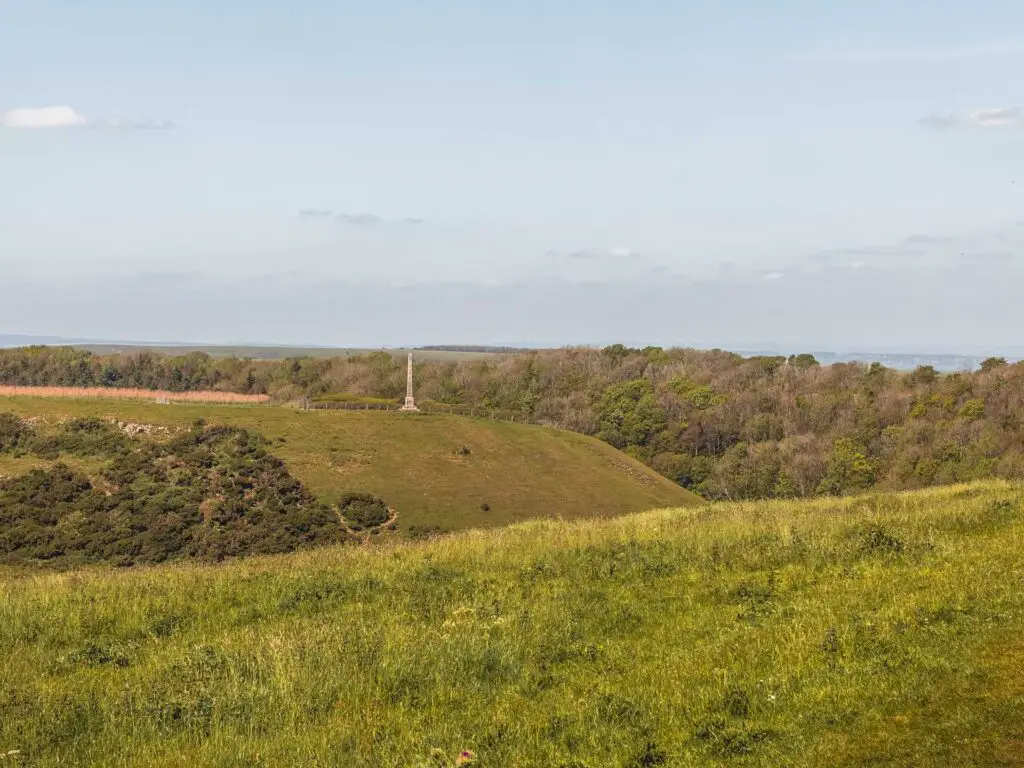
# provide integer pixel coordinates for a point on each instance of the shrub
(423, 532)
(14, 433)
(364, 510)
(973, 410)
(210, 494)
(849, 469)
(872, 537)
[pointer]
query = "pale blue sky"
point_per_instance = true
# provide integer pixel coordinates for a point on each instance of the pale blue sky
(769, 147)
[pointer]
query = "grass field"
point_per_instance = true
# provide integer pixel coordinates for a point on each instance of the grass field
(875, 631)
(412, 460)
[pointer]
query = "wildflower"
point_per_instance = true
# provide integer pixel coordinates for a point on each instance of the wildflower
(466, 757)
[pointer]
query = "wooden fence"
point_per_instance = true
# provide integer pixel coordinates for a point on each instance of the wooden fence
(163, 396)
(428, 408)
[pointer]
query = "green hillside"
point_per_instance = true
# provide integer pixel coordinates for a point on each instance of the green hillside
(873, 631)
(416, 463)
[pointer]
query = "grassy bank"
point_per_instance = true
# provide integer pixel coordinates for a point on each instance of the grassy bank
(881, 630)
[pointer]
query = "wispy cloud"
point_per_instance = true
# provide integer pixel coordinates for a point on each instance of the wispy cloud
(357, 219)
(593, 254)
(30, 118)
(991, 117)
(1003, 245)
(859, 255)
(131, 124)
(929, 240)
(909, 54)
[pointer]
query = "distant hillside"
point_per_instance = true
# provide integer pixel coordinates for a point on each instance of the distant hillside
(882, 631)
(722, 425)
(437, 472)
(247, 351)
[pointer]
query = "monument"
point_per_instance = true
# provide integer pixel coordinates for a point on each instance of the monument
(410, 402)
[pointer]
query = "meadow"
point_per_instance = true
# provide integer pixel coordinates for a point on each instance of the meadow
(879, 630)
(436, 470)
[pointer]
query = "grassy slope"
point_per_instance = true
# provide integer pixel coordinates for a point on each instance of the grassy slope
(521, 471)
(758, 635)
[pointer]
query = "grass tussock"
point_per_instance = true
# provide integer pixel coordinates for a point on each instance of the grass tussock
(880, 630)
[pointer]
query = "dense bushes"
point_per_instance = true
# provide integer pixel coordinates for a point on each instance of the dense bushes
(15, 435)
(364, 510)
(715, 422)
(209, 493)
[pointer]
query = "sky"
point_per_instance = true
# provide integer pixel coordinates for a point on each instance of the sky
(830, 175)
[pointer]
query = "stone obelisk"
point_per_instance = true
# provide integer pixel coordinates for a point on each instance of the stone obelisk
(410, 402)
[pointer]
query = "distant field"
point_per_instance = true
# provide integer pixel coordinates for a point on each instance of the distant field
(117, 393)
(876, 631)
(279, 353)
(413, 461)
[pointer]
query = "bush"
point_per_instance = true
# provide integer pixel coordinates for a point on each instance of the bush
(364, 510)
(210, 494)
(423, 532)
(973, 410)
(872, 537)
(14, 433)
(83, 437)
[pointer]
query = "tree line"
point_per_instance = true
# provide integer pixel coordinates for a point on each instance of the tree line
(718, 423)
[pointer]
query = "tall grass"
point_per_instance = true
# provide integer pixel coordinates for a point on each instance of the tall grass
(121, 393)
(881, 630)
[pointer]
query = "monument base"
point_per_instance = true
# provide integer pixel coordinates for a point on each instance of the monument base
(410, 405)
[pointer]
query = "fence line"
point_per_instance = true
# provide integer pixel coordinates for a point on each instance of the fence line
(428, 408)
(121, 393)
(165, 396)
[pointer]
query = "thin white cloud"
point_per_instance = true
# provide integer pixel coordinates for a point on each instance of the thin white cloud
(990, 117)
(923, 55)
(68, 117)
(130, 124)
(357, 219)
(42, 117)
(618, 252)
(997, 117)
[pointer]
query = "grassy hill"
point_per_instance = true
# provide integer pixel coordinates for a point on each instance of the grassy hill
(413, 461)
(880, 630)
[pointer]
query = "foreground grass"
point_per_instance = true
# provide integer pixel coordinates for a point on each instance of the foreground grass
(518, 471)
(882, 630)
